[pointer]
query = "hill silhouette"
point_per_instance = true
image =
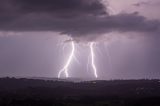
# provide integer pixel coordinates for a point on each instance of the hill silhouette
(37, 92)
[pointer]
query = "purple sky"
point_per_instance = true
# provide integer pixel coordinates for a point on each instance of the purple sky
(34, 37)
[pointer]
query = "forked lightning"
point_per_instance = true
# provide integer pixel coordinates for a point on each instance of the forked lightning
(65, 68)
(92, 54)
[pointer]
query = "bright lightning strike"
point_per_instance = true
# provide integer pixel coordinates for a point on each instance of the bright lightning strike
(93, 59)
(65, 68)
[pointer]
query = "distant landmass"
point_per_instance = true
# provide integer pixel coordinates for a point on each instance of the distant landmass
(76, 92)
(71, 79)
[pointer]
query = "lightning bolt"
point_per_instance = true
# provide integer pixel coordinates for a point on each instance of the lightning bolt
(93, 59)
(65, 68)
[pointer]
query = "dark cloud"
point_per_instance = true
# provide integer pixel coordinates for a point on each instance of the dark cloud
(64, 8)
(78, 18)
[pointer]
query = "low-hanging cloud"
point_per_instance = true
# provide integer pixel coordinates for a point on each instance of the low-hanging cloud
(77, 18)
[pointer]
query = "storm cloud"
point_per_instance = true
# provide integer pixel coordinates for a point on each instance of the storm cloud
(77, 18)
(31, 43)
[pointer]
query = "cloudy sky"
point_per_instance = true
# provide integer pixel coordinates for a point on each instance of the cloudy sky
(35, 37)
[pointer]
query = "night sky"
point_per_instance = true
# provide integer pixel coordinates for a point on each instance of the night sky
(35, 37)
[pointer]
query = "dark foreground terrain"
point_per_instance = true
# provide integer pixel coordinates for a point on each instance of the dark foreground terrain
(32, 92)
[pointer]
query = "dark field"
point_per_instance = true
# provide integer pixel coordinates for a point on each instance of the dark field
(32, 92)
